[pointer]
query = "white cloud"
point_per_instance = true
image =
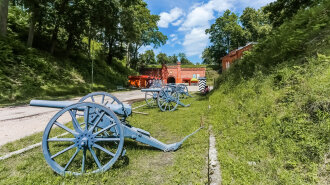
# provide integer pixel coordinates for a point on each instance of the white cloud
(201, 14)
(195, 41)
(178, 22)
(197, 21)
(167, 18)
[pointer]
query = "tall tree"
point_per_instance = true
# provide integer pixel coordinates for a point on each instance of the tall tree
(60, 7)
(184, 59)
(173, 59)
(281, 10)
(140, 28)
(146, 58)
(227, 32)
(207, 56)
(162, 58)
(3, 17)
(256, 23)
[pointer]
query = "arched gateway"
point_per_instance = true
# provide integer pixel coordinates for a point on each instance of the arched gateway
(171, 80)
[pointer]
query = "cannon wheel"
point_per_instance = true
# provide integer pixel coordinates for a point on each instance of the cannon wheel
(102, 98)
(74, 151)
(151, 98)
(183, 91)
(167, 99)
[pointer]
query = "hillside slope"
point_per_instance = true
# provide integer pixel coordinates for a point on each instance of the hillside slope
(26, 73)
(271, 110)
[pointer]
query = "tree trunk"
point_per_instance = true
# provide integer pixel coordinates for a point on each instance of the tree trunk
(54, 39)
(31, 31)
(3, 17)
(127, 59)
(69, 43)
(110, 53)
(56, 29)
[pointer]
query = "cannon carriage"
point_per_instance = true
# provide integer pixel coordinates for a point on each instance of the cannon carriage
(168, 97)
(94, 132)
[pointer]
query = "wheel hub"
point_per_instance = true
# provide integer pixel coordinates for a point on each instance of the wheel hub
(85, 140)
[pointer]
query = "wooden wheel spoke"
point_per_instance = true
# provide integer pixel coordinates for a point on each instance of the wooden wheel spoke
(62, 139)
(106, 128)
(71, 159)
(61, 152)
(104, 150)
(97, 121)
(65, 128)
(107, 139)
(86, 117)
(75, 122)
(92, 97)
(95, 158)
(102, 101)
(83, 161)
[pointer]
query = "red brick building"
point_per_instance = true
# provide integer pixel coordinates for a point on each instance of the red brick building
(170, 74)
(234, 55)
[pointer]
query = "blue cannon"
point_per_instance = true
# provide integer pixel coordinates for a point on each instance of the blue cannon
(94, 131)
(167, 98)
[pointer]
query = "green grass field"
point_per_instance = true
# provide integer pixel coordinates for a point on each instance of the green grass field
(145, 165)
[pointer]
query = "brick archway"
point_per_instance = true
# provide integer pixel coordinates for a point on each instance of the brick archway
(171, 79)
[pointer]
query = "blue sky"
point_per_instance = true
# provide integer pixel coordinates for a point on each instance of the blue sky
(184, 22)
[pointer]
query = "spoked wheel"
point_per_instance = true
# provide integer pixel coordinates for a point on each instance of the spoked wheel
(75, 144)
(167, 99)
(183, 91)
(102, 98)
(151, 98)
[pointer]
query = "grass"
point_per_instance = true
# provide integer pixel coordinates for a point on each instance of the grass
(188, 165)
(274, 129)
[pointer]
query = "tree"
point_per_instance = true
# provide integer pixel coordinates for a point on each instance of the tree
(226, 32)
(148, 57)
(183, 59)
(173, 59)
(38, 10)
(207, 56)
(256, 23)
(162, 58)
(140, 28)
(3, 17)
(281, 10)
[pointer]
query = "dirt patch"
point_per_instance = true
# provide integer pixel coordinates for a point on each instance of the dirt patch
(214, 165)
(134, 100)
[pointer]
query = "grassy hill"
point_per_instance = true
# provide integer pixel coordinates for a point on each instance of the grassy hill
(27, 73)
(271, 110)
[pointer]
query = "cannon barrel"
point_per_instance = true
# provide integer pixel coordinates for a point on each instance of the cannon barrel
(116, 108)
(51, 104)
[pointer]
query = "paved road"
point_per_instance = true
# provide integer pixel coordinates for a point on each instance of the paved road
(21, 121)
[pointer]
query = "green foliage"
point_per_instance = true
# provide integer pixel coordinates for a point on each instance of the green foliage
(162, 58)
(270, 110)
(183, 59)
(229, 32)
(226, 32)
(274, 128)
(27, 73)
(282, 10)
(147, 58)
(256, 23)
(305, 34)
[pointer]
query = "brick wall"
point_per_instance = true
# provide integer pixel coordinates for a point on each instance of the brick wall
(234, 55)
(175, 71)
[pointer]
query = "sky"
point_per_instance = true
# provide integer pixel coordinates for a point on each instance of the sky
(184, 23)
